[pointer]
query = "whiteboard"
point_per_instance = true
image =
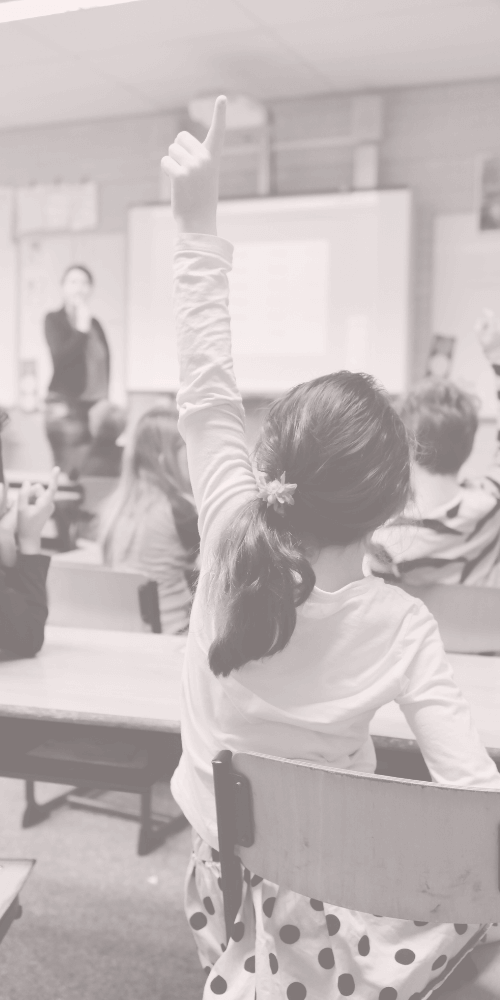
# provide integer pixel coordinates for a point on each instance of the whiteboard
(466, 279)
(42, 261)
(320, 283)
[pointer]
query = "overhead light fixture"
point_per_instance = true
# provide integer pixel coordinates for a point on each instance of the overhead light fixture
(242, 112)
(21, 10)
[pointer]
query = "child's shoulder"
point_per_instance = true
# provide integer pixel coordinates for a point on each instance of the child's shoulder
(400, 604)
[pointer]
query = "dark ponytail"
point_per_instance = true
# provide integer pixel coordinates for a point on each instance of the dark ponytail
(265, 576)
(341, 442)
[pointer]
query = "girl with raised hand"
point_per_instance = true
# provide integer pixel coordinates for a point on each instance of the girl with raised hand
(291, 649)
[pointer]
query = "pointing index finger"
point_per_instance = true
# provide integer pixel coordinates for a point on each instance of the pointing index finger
(215, 137)
(54, 480)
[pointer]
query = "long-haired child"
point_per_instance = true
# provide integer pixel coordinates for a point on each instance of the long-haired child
(149, 522)
(291, 650)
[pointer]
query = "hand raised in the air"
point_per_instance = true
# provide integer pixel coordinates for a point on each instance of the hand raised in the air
(488, 333)
(193, 168)
(35, 505)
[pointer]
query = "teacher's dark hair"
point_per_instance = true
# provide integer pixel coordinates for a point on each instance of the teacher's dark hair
(79, 267)
(340, 440)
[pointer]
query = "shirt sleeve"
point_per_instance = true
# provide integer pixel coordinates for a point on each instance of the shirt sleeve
(491, 480)
(23, 605)
(211, 415)
(438, 713)
(379, 561)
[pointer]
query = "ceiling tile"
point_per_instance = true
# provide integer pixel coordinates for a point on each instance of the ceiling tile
(19, 47)
(40, 96)
(406, 69)
(432, 31)
(276, 12)
(248, 62)
(142, 23)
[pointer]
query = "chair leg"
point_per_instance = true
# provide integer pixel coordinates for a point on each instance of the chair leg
(154, 833)
(35, 812)
(145, 830)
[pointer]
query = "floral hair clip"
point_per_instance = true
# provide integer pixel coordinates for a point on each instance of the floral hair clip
(276, 493)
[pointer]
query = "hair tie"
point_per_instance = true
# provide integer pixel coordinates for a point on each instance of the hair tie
(276, 492)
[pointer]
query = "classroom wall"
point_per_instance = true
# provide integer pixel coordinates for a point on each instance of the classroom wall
(433, 138)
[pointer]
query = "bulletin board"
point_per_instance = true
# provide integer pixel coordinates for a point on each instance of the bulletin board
(319, 283)
(466, 280)
(42, 261)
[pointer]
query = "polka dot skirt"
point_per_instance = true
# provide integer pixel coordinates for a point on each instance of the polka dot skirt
(287, 946)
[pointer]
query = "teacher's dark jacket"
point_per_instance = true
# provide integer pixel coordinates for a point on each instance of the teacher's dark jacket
(67, 347)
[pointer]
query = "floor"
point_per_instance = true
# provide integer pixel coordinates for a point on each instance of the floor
(99, 923)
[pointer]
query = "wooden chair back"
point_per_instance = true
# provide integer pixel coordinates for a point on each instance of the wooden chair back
(98, 597)
(406, 849)
(468, 617)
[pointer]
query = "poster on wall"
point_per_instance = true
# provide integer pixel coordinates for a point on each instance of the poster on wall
(440, 357)
(489, 194)
(42, 208)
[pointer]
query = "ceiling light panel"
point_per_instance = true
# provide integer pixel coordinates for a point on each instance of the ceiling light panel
(22, 10)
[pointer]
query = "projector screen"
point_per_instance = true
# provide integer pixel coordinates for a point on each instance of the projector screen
(319, 283)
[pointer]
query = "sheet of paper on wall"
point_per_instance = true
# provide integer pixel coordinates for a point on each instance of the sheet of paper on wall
(56, 207)
(43, 208)
(29, 210)
(84, 207)
(279, 297)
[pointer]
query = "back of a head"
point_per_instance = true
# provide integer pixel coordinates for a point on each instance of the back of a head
(107, 421)
(150, 465)
(442, 421)
(155, 447)
(340, 440)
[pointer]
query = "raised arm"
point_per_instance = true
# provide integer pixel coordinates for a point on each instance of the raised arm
(23, 598)
(211, 416)
(438, 713)
(488, 332)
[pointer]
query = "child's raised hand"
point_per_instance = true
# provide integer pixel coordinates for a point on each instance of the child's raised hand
(8, 522)
(193, 169)
(488, 333)
(35, 506)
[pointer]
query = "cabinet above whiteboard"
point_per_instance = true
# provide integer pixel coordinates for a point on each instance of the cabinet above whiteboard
(319, 283)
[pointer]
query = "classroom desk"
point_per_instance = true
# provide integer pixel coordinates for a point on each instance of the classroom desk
(13, 875)
(118, 691)
(126, 680)
(95, 682)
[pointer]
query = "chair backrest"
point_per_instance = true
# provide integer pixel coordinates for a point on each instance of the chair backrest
(87, 555)
(406, 849)
(97, 597)
(468, 617)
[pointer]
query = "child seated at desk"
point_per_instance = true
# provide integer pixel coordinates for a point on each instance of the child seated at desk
(455, 535)
(107, 422)
(291, 649)
(150, 523)
(23, 569)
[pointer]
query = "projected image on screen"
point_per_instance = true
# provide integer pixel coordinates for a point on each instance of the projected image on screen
(277, 291)
(320, 283)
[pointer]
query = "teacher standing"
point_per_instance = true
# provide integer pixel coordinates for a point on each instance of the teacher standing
(81, 363)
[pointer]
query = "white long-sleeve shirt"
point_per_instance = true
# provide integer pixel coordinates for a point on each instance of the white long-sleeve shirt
(351, 652)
